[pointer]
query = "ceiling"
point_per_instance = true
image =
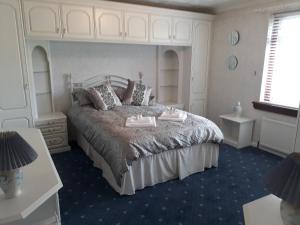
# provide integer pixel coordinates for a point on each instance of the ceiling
(194, 5)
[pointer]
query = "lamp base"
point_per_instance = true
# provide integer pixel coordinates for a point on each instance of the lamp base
(290, 215)
(10, 182)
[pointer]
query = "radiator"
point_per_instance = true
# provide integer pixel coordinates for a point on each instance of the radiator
(277, 135)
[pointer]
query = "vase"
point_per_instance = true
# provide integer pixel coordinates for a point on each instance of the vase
(290, 215)
(237, 109)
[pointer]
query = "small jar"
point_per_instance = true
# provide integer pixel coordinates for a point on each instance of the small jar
(237, 109)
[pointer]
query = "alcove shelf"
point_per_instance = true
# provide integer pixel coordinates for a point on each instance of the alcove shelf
(169, 76)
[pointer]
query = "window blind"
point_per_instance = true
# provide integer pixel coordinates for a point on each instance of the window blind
(281, 70)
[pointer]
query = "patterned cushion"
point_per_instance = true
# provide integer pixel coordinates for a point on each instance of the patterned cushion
(82, 97)
(103, 97)
(137, 94)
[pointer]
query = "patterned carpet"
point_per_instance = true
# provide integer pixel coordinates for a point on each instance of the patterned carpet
(214, 197)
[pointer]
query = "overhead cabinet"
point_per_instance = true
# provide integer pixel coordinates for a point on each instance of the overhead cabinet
(119, 25)
(166, 29)
(59, 20)
(42, 19)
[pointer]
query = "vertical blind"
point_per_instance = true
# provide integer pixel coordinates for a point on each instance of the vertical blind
(281, 80)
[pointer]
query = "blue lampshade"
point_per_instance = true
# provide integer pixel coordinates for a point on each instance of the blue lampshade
(15, 152)
(284, 180)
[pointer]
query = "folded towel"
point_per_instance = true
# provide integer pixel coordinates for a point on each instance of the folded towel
(182, 118)
(175, 114)
(141, 122)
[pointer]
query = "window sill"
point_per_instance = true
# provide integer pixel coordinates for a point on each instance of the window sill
(283, 110)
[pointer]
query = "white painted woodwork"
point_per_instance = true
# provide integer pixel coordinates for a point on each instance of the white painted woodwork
(136, 27)
(263, 211)
(182, 31)
(14, 92)
(297, 140)
(237, 130)
(38, 203)
(78, 22)
(161, 29)
(109, 24)
(54, 129)
(42, 19)
(199, 67)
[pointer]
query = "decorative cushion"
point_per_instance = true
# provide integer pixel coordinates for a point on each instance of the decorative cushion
(82, 97)
(103, 97)
(120, 92)
(137, 94)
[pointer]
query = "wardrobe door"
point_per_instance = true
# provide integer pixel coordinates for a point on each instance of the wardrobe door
(14, 94)
(161, 29)
(182, 31)
(78, 22)
(42, 19)
(109, 24)
(136, 27)
(199, 67)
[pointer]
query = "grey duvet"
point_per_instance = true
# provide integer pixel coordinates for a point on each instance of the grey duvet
(120, 145)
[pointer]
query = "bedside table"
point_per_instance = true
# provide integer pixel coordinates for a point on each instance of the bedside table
(263, 211)
(54, 129)
(237, 130)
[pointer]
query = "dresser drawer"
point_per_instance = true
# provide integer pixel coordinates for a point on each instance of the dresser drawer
(57, 140)
(52, 129)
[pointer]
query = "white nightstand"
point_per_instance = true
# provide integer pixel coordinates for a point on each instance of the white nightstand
(263, 211)
(237, 130)
(54, 129)
(39, 203)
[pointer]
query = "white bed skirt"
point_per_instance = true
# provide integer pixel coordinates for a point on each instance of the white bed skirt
(157, 168)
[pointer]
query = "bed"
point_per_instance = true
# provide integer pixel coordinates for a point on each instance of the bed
(134, 158)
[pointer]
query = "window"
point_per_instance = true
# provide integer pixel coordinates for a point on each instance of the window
(281, 78)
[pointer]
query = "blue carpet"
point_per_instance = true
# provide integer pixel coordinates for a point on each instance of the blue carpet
(213, 197)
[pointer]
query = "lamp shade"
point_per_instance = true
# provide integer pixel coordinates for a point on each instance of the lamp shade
(15, 152)
(284, 180)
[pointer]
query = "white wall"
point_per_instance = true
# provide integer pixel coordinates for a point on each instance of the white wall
(227, 87)
(84, 60)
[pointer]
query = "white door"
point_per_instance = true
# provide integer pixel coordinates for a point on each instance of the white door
(199, 67)
(136, 27)
(109, 24)
(182, 31)
(42, 19)
(78, 22)
(14, 94)
(198, 107)
(297, 141)
(161, 29)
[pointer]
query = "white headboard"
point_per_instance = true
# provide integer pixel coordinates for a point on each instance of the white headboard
(114, 80)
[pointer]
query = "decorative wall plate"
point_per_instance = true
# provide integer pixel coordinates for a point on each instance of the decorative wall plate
(234, 37)
(232, 62)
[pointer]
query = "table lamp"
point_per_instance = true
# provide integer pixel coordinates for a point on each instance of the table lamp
(15, 153)
(284, 182)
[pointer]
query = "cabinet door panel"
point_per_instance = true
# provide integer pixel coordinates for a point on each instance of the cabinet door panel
(42, 19)
(109, 24)
(200, 57)
(78, 22)
(14, 92)
(182, 31)
(136, 27)
(198, 107)
(161, 29)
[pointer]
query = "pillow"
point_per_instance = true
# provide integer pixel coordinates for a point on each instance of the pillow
(120, 92)
(82, 97)
(103, 97)
(137, 94)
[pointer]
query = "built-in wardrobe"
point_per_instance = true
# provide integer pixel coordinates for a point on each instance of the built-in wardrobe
(29, 26)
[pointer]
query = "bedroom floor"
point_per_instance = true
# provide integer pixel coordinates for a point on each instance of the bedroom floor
(213, 197)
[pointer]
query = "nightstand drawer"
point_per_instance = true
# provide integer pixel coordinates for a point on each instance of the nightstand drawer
(57, 140)
(39, 124)
(58, 128)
